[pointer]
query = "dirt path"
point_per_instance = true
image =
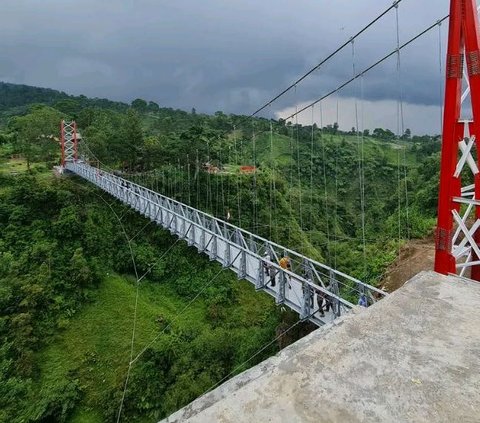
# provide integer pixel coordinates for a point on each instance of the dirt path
(415, 256)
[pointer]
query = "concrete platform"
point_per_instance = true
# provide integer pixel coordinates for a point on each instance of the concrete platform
(413, 357)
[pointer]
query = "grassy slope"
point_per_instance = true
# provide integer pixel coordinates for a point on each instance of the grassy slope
(16, 166)
(280, 148)
(96, 343)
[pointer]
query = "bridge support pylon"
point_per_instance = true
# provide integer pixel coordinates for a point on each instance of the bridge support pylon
(458, 228)
(68, 142)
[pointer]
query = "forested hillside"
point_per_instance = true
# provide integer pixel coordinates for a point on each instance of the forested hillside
(67, 274)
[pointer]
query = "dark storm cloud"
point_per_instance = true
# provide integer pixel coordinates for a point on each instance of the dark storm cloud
(214, 54)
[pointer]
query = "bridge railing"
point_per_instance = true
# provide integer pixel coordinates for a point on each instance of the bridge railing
(301, 287)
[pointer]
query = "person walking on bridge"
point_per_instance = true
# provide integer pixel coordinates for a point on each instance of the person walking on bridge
(269, 269)
(323, 297)
(286, 265)
(362, 301)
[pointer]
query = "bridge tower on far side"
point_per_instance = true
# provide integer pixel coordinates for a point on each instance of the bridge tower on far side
(68, 141)
(458, 228)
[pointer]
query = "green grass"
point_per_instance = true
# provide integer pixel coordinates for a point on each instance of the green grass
(279, 148)
(276, 147)
(18, 166)
(85, 415)
(373, 147)
(95, 343)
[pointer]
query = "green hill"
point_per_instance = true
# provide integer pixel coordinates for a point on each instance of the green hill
(67, 288)
(68, 298)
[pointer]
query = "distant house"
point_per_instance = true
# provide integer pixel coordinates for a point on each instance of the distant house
(248, 169)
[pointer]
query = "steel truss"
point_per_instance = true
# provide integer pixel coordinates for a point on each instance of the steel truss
(240, 250)
(458, 235)
(68, 140)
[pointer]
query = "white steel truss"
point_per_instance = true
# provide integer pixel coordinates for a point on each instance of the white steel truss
(464, 247)
(69, 140)
(302, 287)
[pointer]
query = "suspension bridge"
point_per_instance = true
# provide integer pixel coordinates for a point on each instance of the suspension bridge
(305, 285)
(301, 286)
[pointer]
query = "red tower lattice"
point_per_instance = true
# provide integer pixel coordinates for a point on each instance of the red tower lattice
(458, 228)
(68, 141)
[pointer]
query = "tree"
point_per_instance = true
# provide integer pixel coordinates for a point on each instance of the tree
(81, 275)
(389, 135)
(407, 134)
(68, 106)
(384, 134)
(153, 107)
(378, 133)
(140, 105)
(86, 117)
(37, 133)
(129, 145)
(222, 121)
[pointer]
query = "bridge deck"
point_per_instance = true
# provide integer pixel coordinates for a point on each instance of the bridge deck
(412, 357)
(253, 258)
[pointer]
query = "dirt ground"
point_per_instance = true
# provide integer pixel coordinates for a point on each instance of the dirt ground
(415, 256)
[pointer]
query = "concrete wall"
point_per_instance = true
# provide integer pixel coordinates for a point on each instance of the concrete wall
(413, 357)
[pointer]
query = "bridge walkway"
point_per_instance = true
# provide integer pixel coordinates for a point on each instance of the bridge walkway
(248, 255)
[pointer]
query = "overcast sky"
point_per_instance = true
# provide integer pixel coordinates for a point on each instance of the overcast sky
(229, 55)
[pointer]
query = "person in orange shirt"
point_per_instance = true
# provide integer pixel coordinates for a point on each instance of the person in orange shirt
(286, 264)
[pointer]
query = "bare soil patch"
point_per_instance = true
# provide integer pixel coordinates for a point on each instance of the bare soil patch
(415, 256)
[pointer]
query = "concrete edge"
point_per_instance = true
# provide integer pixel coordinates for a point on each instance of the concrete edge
(229, 387)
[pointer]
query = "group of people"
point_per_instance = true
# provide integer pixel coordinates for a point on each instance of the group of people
(271, 271)
(324, 301)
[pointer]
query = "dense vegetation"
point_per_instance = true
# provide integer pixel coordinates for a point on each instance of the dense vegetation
(62, 254)
(67, 278)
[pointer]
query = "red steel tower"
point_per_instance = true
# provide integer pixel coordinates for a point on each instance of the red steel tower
(458, 228)
(68, 141)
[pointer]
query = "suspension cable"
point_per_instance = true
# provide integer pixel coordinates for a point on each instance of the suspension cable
(368, 69)
(217, 194)
(209, 206)
(300, 208)
(330, 56)
(290, 184)
(222, 185)
(360, 165)
(401, 133)
(197, 176)
(272, 176)
(204, 287)
(188, 182)
(138, 280)
(440, 65)
(311, 170)
(228, 176)
(273, 180)
(336, 206)
(402, 122)
(237, 176)
(362, 159)
(327, 215)
(254, 148)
